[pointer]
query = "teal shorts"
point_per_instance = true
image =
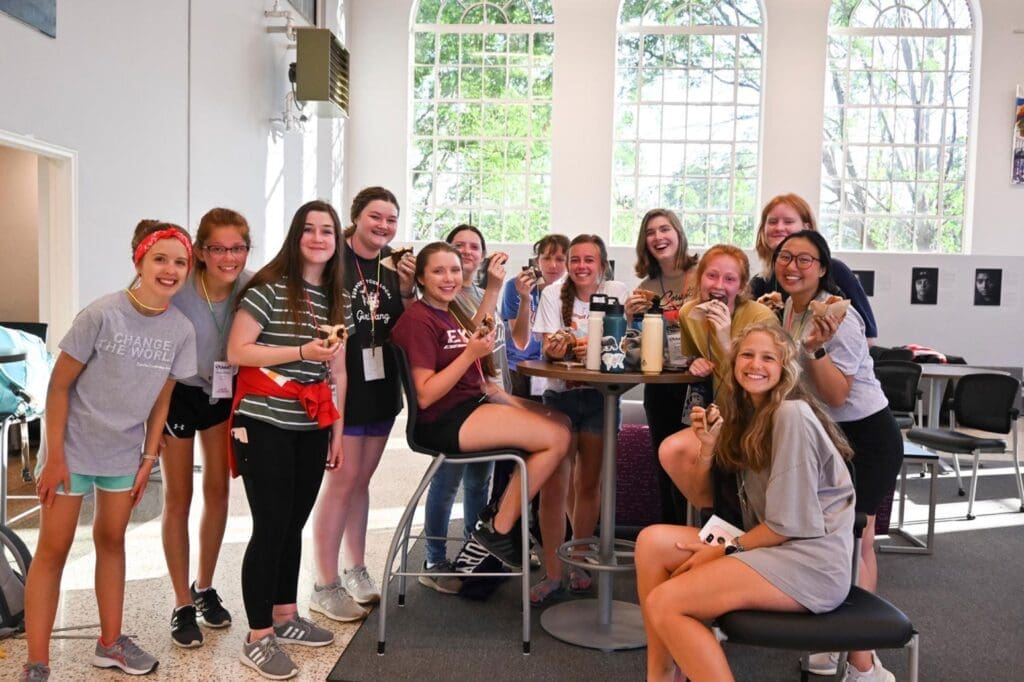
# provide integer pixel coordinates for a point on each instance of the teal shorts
(82, 484)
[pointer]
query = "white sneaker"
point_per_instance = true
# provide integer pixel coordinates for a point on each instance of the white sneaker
(360, 585)
(823, 663)
(877, 673)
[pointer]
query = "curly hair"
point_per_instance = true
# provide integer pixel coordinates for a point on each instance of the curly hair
(569, 286)
(746, 438)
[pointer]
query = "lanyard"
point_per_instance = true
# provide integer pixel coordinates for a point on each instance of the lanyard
(797, 334)
(316, 322)
(447, 319)
(206, 295)
(372, 302)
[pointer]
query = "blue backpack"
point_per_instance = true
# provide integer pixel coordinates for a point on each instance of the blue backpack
(23, 384)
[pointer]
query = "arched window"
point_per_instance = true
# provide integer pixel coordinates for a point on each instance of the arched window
(687, 118)
(482, 76)
(897, 99)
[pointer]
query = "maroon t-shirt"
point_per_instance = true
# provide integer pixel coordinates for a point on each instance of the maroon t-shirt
(432, 339)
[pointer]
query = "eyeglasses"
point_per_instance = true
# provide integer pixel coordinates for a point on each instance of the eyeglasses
(219, 251)
(803, 261)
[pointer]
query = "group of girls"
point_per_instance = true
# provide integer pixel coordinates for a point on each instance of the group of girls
(797, 396)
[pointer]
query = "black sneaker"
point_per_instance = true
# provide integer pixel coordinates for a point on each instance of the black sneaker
(506, 547)
(208, 604)
(184, 629)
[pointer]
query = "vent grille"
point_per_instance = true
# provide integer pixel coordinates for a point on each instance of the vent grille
(322, 72)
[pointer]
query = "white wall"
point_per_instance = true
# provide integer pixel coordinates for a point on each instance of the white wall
(19, 215)
(168, 105)
(791, 151)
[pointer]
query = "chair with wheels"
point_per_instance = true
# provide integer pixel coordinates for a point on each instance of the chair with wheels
(900, 379)
(16, 414)
(983, 402)
(400, 541)
(863, 622)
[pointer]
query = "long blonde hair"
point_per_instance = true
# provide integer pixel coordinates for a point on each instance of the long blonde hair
(746, 438)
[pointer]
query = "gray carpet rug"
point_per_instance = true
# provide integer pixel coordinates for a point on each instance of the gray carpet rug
(966, 601)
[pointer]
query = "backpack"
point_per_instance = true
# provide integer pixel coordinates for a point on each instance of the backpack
(12, 584)
(23, 384)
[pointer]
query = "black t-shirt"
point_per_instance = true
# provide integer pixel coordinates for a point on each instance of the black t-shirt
(370, 401)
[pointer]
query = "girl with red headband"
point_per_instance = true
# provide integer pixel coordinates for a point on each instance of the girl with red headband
(106, 407)
(285, 426)
(200, 406)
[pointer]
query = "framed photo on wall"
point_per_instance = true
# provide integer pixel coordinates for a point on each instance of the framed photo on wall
(924, 286)
(988, 286)
(867, 280)
(39, 14)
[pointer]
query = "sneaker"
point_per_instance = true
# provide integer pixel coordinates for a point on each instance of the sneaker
(877, 673)
(184, 630)
(265, 657)
(35, 672)
(503, 546)
(335, 603)
(445, 584)
(823, 663)
(208, 603)
(360, 585)
(303, 631)
(126, 655)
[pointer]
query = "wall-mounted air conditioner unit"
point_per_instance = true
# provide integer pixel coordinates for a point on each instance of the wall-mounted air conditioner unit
(321, 72)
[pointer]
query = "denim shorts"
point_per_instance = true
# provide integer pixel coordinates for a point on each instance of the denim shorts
(82, 484)
(381, 428)
(583, 406)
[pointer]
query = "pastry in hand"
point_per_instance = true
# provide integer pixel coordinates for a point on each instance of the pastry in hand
(773, 300)
(712, 419)
(648, 295)
(396, 255)
(486, 325)
(835, 306)
(534, 272)
(332, 334)
(699, 312)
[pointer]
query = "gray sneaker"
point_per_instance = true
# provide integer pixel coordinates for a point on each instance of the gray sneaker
(126, 655)
(265, 657)
(360, 585)
(445, 584)
(335, 603)
(303, 631)
(35, 672)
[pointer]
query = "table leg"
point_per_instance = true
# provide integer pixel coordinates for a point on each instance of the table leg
(936, 388)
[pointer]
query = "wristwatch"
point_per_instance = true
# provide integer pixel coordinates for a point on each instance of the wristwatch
(734, 548)
(818, 354)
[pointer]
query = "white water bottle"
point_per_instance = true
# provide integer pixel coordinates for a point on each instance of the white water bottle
(595, 330)
(652, 337)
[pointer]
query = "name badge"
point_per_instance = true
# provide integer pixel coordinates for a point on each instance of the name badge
(373, 363)
(223, 373)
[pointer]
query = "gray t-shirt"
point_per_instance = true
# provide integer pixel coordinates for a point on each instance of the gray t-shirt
(212, 327)
(806, 495)
(128, 359)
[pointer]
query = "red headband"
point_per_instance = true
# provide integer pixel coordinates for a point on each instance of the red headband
(153, 237)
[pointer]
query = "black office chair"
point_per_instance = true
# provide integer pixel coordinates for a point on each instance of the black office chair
(863, 622)
(985, 402)
(900, 379)
(403, 532)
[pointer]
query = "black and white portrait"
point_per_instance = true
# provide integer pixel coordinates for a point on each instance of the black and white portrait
(988, 286)
(867, 280)
(924, 286)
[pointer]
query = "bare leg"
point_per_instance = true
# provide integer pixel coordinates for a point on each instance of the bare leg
(868, 580)
(587, 485)
(359, 501)
(552, 518)
(108, 528)
(679, 457)
(42, 587)
(545, 438)
(216, 487)
(176, 465)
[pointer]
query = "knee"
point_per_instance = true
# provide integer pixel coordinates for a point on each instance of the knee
(177, 504)
(108, 539)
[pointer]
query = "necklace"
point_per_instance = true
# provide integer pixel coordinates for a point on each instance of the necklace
(206, 294)
(143, 305)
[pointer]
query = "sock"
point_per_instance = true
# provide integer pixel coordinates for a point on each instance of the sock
(195, 586)
(179, 608)
(104, 644)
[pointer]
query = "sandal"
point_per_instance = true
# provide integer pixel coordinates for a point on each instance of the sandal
(546, 591)
(579, 580)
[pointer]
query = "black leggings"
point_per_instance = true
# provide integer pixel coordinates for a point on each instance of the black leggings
(282, 470)
(663, 404)
(877, 457)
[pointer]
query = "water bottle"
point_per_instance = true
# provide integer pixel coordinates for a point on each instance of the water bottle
(652, 338)
(595, 329)
(613, 359)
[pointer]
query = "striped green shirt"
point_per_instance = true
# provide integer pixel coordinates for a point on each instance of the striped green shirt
(268, 305)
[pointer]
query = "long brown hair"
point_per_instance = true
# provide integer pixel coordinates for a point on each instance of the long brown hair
(286, 268)
(646, 264)
(795, 202)
(365, 197)
(569, 287)
(486, 363)
(746, 438)
(212, 219)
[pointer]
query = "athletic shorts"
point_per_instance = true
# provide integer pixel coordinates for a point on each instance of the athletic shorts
(191, 411)
(82, 484)
(381, 428)
(583, 406)
(442, 434)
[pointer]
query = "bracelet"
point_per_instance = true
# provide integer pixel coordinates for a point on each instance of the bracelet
(301, 357)
(151, 458)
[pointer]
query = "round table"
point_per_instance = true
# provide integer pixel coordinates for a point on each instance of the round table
(601, 623)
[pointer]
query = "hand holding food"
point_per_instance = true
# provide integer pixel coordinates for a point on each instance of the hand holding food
(331, 334)
(773, 300)
(558, 343)
(396, 256)
(486, 325)
(834, 306)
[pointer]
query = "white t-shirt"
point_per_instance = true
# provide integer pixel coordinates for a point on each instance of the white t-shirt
(549, 317)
